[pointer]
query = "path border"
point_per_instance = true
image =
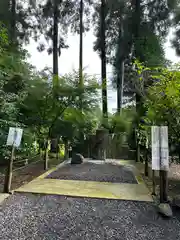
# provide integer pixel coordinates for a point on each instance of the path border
(3, 196)
(44, 175)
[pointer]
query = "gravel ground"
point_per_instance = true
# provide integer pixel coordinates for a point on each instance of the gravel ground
(55, 217)
(95, 172)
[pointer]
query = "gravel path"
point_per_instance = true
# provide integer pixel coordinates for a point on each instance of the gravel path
(55, 217)
(95, 172)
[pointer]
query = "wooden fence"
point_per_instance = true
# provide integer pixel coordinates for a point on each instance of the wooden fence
(115, 145)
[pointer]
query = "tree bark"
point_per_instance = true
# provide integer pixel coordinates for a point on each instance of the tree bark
(103, 61)
(55, 39)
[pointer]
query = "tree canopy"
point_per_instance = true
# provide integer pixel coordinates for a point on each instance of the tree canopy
(127, 32)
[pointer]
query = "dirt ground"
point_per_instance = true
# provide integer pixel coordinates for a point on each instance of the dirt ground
(24, 175)
(173, 180)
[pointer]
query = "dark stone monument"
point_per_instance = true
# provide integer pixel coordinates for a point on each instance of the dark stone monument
(101, 143)
(54, 145)
(92, 146)
(77, 159)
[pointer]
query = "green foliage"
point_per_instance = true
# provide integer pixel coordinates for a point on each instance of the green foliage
(122, 123)
(165, 94)
(73, 122)
(3, 37)
(161, 103)
(44, 106)
(14, 73)
(49, 107)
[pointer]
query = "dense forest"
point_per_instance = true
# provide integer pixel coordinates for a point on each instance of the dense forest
(130, 35)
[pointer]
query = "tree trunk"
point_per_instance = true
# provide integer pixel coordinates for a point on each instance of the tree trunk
(66, 155)
(137, 22)
(81, 45)
(13, 19)
(146, 163)
(120, 69)
(178, 151)
(103, 62)
(120, 82)
(118, 92)
(137, 148)
(81, 83)
(8, 177)
(46, 155)
(55, 40)
(13, 23)
(136, 28)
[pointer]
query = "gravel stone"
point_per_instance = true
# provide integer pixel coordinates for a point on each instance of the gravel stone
(49, 217)
(95, 172)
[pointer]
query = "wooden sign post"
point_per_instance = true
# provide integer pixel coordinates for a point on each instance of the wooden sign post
(160, 158)
(14, 140)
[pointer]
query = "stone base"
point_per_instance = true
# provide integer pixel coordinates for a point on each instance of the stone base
(165, 210)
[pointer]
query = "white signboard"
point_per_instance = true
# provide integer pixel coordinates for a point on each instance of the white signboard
(160, 148)
(155, 143)
(14, 137)
(164, 161)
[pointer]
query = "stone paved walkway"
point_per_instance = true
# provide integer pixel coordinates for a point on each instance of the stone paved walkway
(91, 179)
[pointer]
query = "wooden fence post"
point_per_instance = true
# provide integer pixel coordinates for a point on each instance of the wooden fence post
(8, 178)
